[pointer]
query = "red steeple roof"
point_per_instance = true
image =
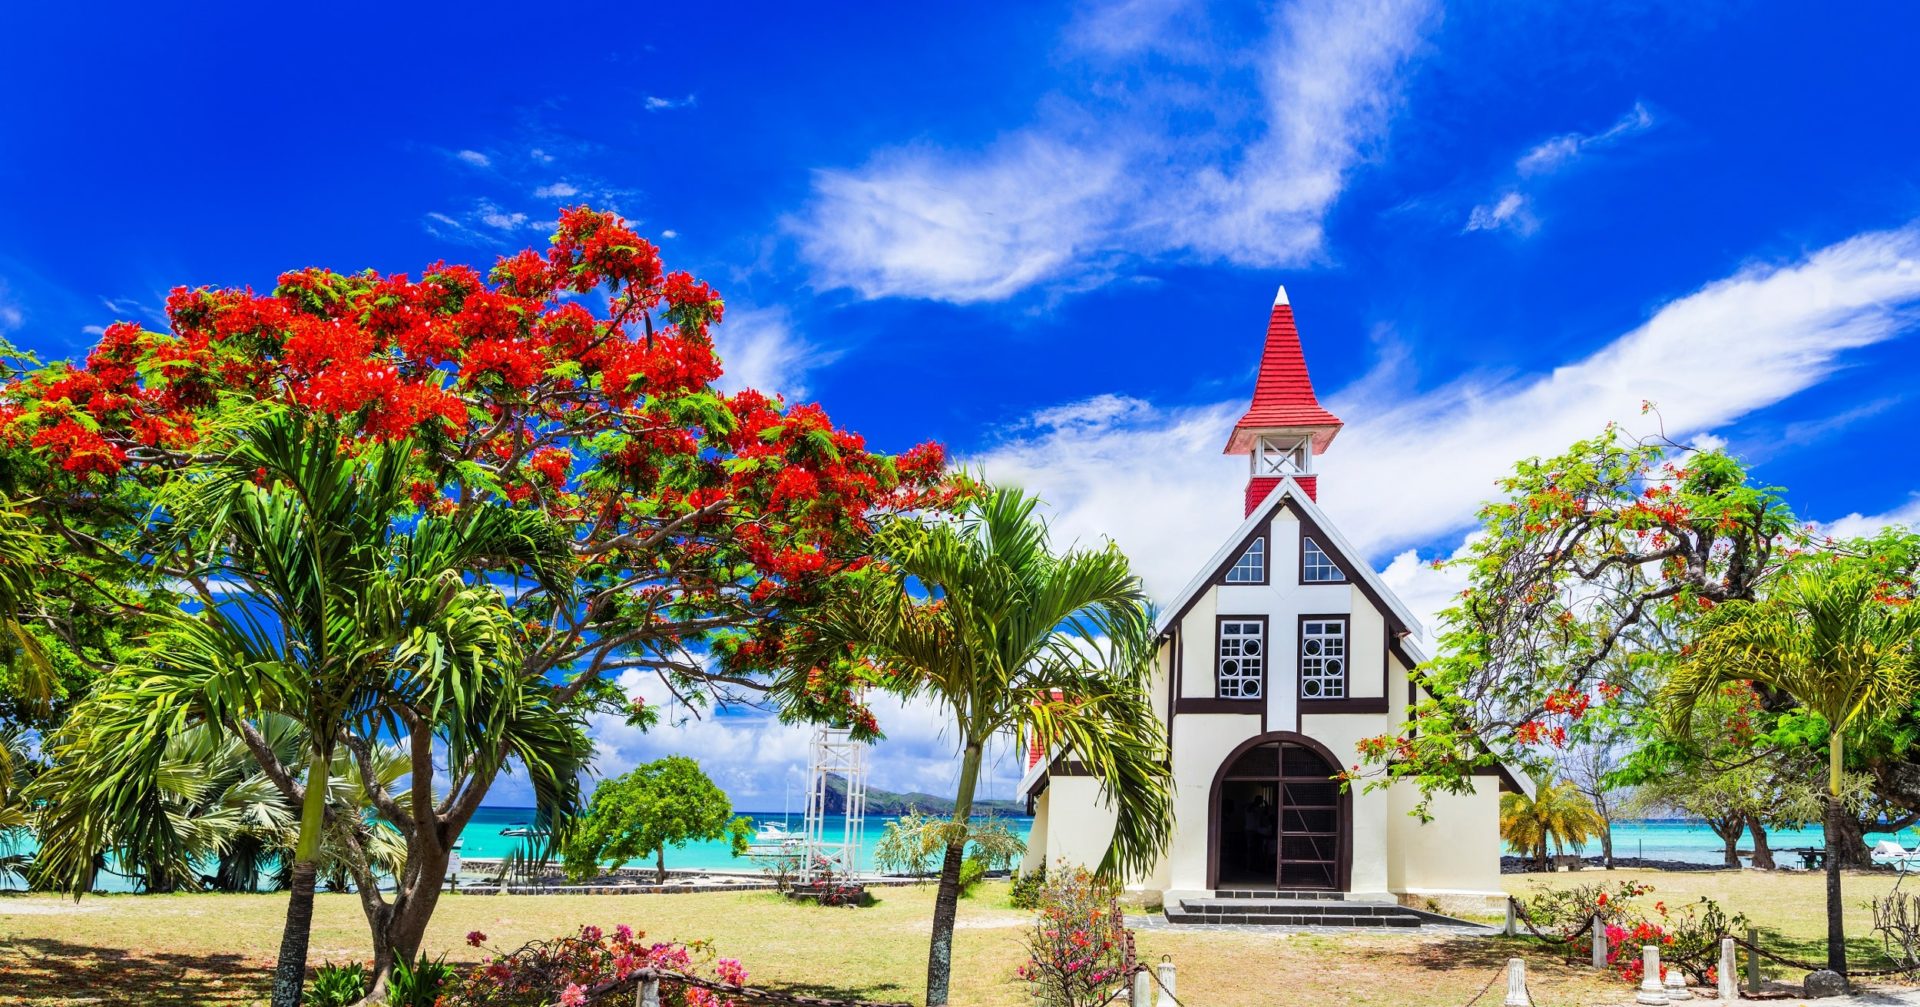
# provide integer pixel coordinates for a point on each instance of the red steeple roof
(1283, 393)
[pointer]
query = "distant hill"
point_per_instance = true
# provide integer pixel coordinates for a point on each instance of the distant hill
(886, 802)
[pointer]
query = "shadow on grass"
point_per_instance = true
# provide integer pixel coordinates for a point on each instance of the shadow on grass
(44, 970)
(1864, 953)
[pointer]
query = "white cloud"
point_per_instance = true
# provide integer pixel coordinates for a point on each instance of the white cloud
(669, 233)
(1858, 525)
(1557, 152)
(556, 190)
(485, 224)
(11, 317)
(473, 157)
(760, 349)
(1412, 467)
(657, 104)
(1099, 182)
(1510, 212)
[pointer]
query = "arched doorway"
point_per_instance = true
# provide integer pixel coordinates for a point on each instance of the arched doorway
(1280, 821)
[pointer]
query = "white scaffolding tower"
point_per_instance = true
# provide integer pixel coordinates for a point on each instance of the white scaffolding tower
(829, 846)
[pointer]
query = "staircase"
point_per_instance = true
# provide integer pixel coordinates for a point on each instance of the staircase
(1292, 909)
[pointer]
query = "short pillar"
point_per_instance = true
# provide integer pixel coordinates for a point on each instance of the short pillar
(1729, 971)
(1513, 919)
(1599, 943)
(1142, 989)
(649, 995)
(1517, 984)
(1651, 990)
(1676, 983)
(1754, 979)
(1165, 972)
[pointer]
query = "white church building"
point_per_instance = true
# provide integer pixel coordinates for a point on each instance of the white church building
(1279, 656)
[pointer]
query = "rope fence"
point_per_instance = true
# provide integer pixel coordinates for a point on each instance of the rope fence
(643, 989)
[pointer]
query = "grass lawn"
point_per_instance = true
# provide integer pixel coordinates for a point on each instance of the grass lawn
(218, 949)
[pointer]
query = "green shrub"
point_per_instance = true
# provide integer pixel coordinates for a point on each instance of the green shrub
(972, 870)
(337, 985)
(419, 984)
(1025, 893)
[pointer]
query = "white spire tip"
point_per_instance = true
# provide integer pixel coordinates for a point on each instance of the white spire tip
(1280, 296)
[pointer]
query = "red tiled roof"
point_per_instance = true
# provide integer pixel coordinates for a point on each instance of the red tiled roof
(1283, 392)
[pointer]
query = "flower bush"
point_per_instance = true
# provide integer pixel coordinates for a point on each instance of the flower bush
(564, 970)
(1078, 949)
(1688, 935)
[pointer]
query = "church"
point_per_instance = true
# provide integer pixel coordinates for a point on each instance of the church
(1278, 657)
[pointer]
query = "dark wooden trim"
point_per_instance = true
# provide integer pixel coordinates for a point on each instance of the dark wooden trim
(1301, 573)
(1265, 533)
(1249, 707)
(1266, 656)
(1343, 867)
(1346, 655)
(1366, 704)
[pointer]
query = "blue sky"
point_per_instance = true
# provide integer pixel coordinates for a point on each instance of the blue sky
(1048, 236)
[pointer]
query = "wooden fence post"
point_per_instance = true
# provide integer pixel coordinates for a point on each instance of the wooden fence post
(1753, 960)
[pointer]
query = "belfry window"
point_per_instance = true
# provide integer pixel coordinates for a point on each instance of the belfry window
(1251, 567)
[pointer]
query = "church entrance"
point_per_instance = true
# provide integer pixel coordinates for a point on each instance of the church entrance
(1279, 818)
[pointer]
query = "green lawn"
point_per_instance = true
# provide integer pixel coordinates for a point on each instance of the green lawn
(218, 949)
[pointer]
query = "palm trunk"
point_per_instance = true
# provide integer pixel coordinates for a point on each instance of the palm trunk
(1762, 853)
(946, 904)
(1836, 932)
(290, 971)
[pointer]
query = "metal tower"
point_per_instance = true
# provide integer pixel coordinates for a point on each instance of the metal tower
(834, 846)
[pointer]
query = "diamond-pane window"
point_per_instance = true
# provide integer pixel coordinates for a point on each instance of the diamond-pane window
(1251, 567)
(1316, 567)
(1243, 659)
(1323, 659)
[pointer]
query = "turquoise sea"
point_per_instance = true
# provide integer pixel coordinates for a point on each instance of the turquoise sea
(1678, 840)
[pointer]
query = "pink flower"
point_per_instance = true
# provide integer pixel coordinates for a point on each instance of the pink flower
(730, 971)
(623, 934)
(475, 938)
(573, 996)
(590, 933)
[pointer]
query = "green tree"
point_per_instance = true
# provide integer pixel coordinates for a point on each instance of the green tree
(1555, 813)
(909, 843)
(981, 617)
(667, 802)
(328, 615)
(1829, 636)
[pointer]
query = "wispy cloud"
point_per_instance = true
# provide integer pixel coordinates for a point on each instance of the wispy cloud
(1098, 183)
(1857, 525)
(1512, 209)
(11, 316)
(473, 157)
(556, 190)
(485, 223)
(761, 349)
(655, 103)
(1411, 468)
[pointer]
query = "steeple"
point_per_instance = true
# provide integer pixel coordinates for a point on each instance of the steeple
(1285, 426)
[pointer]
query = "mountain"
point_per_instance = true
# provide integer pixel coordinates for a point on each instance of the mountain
(886, 802)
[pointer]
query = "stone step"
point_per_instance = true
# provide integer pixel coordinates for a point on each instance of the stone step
(1304, 907)
(1268, 893)
(1295, 919)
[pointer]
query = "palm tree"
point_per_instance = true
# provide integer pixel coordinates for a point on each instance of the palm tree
(981, 617)
(312, 609)
(1832, 638)
(1556, 813)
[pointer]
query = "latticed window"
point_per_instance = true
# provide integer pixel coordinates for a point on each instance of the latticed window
(1316, 567)
(1243, 659)
(1323, 659)
(1251, 567)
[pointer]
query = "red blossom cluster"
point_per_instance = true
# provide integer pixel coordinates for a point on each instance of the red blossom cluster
(571, 970)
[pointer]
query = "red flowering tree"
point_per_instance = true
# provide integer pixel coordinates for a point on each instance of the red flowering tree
(1582, 584)
(578, 384)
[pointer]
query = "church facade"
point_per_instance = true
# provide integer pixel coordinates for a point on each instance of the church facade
(1279, 656)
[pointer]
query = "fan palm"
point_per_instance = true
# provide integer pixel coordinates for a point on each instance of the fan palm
(1829, 637)
(315, 608)
(1555, 813)
(982, 618)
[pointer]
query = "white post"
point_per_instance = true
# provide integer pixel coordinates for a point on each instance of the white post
(1729, 971)
(1165, 972)
(1651, 991)
(1513, 920)
(1599, 943)
(1677, 984)
(1142, 989)
(1517, 984)
(650, 990)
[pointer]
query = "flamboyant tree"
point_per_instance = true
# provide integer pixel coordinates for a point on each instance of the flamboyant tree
(1582, 582)
(578, 383)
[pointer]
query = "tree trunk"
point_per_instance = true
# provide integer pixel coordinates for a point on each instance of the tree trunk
(290, 971)
(1729, 829)
(1852, 836)
(1762, 853)
(399, 928)
(1836, 931)
(946, 903)
(1606, 844)
(660, 864)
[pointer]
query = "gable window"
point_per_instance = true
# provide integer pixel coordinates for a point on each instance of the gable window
(1323, 659)
(1316, 567)
(1251, 567)
(1243, 658)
